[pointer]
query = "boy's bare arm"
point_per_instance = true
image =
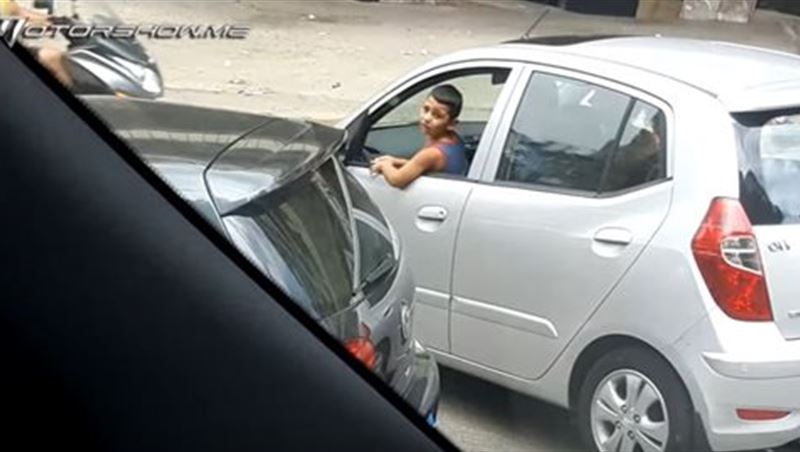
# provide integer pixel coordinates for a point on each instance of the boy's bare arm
(398, 162)
(401, 176)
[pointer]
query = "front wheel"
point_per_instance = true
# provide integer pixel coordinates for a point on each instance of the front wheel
(631, 400)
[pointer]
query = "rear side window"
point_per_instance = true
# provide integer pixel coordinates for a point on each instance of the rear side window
(564, 133)
(641, 155)
(769, 166)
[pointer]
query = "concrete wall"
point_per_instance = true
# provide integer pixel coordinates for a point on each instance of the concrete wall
(723, 10)
(659, 9)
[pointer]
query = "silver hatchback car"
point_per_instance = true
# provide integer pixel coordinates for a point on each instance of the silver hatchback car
(626, 242)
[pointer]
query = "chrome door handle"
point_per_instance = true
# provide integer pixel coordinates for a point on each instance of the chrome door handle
(432, 213)
(614, 236)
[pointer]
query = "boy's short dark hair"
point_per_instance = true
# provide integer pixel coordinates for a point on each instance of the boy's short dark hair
(450, 96)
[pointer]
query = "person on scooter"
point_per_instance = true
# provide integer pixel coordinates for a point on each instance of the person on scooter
(51, 58)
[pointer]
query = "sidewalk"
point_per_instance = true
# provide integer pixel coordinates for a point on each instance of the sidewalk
(321, 59)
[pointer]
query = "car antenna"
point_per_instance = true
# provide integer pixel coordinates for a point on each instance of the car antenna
(536, 22)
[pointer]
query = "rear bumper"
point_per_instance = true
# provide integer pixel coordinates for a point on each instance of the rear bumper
(737, 365)
(726, 431)
(423, 391)
(747, 368)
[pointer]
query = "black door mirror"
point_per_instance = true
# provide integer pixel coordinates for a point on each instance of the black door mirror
(356, 136)
(45, 4)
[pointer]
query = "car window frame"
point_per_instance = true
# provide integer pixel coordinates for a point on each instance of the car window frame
(489, 174)
(490, 131)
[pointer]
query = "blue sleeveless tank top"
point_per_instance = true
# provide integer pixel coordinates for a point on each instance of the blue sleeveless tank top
(456, 156)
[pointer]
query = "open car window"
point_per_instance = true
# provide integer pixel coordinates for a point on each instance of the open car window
(395, 128)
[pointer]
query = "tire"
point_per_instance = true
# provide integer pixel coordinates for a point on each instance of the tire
(612, 417)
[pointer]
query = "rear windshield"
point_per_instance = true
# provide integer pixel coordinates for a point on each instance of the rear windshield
(769, 166)
(303, 235)
(377, 251)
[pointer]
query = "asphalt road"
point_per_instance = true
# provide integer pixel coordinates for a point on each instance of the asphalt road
(480, 416)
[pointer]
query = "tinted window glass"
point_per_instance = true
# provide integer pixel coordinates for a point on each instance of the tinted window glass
(641, 155)
(302, 236)
(378, 256)
(378, 261)
(361, 200)
(562, 134)
(769, 167)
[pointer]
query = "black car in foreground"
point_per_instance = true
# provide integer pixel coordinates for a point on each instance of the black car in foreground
(275, 188)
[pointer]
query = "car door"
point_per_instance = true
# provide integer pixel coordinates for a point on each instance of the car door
(575, 188)
(426, 214)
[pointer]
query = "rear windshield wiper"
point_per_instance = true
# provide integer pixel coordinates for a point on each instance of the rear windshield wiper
(385, 265)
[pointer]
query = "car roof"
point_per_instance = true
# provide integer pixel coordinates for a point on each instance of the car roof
(714, 66)
(743, 77)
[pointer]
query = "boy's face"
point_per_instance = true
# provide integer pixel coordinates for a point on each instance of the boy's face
(434, 119)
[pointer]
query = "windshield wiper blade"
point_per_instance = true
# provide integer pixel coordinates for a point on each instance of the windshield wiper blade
(386, 264)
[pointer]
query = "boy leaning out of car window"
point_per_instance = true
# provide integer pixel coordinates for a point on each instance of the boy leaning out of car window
(443, 150)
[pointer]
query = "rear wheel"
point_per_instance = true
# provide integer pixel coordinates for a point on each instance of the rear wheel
(631, 400)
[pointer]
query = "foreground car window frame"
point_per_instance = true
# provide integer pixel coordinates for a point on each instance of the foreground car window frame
(25, 79)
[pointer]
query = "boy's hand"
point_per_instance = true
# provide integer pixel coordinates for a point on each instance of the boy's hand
(376, 167)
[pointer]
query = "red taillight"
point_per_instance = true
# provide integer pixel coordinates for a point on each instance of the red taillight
(726, 252)
(363, 349)
(760, 415)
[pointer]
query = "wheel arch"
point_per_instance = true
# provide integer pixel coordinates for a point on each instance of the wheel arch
(606, 344)
(598, 348)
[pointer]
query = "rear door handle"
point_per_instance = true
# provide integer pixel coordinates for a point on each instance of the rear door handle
(614, 236)
(432, 213)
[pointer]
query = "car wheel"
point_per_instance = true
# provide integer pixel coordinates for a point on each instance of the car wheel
(631, 400)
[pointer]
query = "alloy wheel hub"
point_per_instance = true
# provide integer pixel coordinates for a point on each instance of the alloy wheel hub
(628, 414)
